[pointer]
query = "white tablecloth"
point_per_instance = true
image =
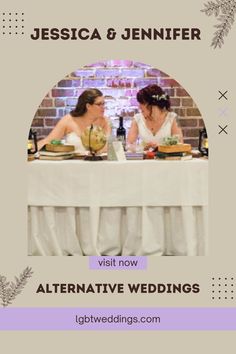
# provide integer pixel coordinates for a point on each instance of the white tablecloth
(118, 208)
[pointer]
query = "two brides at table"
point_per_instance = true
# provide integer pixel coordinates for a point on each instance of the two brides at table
(154, 123)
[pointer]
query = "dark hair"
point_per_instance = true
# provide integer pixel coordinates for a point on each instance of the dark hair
(153, 95)
(88, 96)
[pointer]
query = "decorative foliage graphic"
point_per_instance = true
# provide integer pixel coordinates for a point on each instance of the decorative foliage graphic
(9, 290)
(225, 11)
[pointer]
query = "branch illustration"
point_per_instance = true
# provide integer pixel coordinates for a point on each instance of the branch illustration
(9, 291)
(3, 290)
(225, 11)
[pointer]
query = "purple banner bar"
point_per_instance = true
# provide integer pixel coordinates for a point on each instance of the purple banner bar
(119, 262)
(162, 319)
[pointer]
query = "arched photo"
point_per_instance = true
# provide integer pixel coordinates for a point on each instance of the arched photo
(117, 166)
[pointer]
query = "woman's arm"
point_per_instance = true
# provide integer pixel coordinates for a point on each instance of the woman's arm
(176, 129)
(107, 129)
(107, 126)
(57, 133)
(133, 133)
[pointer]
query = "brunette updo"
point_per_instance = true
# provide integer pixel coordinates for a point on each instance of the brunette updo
(88, 96)
(153, 95)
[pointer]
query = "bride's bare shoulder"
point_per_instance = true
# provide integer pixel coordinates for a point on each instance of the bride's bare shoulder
(67, 118)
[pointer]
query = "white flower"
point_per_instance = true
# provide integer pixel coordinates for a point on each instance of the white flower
(161, 97)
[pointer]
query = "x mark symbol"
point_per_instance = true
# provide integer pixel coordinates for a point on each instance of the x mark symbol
(223, 129)
(223, 95)
(223, 112)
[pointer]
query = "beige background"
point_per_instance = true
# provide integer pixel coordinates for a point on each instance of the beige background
(29, 69)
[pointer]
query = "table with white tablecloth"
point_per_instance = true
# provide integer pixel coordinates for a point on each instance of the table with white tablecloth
(148, 207)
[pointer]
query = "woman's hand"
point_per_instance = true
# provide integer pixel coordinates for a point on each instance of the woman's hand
(150, 145)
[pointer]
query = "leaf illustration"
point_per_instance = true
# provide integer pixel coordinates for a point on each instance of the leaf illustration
(225, 11)
(9, 291)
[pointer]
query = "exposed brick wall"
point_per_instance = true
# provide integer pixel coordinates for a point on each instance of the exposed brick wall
(119, 80)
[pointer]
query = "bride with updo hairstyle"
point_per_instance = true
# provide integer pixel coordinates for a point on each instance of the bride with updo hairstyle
(156, 121)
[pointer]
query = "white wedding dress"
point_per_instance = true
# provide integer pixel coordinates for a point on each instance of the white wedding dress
(74, 139)
(146, 134)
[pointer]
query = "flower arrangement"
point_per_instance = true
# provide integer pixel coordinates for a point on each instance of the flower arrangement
(170, 140)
